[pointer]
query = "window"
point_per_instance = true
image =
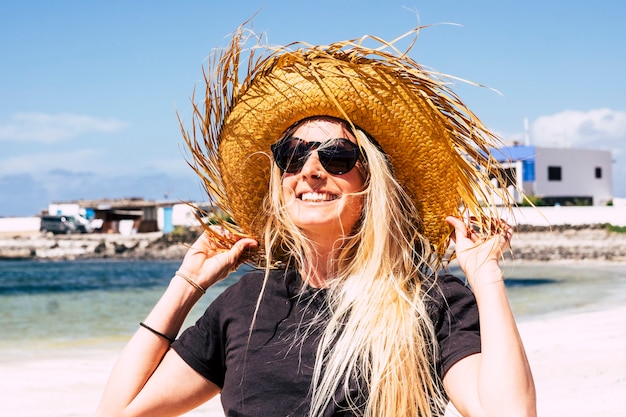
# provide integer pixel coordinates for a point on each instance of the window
(506, 175)
(554, 173)
(598, 172)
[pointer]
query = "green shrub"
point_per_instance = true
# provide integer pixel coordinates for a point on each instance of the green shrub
(533, 201)
(615, 229)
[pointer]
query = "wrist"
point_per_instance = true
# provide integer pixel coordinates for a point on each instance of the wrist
(181, 292)
(190, 280)
(170, 312)
(487, 273)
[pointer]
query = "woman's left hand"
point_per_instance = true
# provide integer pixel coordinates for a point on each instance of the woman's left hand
(477, 254)
(500, 374)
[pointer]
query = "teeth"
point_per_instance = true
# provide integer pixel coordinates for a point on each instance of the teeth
(317, 197)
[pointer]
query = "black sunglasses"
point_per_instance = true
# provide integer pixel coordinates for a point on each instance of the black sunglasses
(337, 156)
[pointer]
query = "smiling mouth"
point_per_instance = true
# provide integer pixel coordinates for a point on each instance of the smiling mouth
(318, 197)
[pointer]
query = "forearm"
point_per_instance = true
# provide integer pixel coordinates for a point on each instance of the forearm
(165, 394)
(145, 350)
(505, 384)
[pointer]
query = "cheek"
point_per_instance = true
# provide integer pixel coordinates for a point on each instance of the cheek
(353, 207)
(288, 196)
(288, 185)
(358, 202)
(355, 182)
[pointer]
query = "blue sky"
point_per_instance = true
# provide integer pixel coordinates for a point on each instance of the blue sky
(89, 90)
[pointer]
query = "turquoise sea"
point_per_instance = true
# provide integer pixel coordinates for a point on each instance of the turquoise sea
(97, 302)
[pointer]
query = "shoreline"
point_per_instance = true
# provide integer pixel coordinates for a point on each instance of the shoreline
(530, 243)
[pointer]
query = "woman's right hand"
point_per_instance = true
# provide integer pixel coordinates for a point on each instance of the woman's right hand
(206, 264)
(146, 378)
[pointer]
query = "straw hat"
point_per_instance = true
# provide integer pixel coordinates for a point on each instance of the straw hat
(439, 149)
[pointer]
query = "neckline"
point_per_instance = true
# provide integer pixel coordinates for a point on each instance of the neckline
(297, 287)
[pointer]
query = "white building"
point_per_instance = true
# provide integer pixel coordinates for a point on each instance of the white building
(130, 216)
(559, 176)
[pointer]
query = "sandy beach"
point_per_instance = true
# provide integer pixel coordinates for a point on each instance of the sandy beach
(579, 363)
(577, 355)
(577, 359)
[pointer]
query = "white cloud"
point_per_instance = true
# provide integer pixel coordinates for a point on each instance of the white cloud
(595, 129)
(76, 160)
(600, 129)
(50, 128)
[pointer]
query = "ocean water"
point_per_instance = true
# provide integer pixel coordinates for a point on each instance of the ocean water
(91, 303)
(86, 302)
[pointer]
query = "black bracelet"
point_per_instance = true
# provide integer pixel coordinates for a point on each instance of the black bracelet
(166, 337)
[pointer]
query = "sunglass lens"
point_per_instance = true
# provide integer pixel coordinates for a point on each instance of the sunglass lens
(339, 157)
(290, 154)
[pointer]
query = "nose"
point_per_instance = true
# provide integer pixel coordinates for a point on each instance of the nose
(312, 167)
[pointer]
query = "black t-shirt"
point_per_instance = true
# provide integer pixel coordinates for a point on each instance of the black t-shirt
(268, 372)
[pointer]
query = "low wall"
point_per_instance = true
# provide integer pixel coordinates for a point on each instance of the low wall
(570, 215)
(534, 216)
(19, 224)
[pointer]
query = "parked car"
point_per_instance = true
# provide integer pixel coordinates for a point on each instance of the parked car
(62, 224)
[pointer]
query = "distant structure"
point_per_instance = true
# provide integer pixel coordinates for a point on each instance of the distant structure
(132, 215)
(557, 176)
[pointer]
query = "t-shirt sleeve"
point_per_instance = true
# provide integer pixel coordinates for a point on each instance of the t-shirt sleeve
(455, 317)
(201, 345)
(219, 337)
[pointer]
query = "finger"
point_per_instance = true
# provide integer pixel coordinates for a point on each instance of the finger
(215, 239)
(202, 243)
(245, 243)
(240, 251)
(232, 258)
(502, 228)
(460, 229)
(241, 246)
(507, 233)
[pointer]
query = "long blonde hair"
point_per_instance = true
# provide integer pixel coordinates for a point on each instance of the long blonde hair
(377, 329)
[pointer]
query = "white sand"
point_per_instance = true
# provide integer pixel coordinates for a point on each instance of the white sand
(62, 384)
(579, 363)
(578, 360)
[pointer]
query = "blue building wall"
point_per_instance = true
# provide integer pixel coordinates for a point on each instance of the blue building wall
(168, 224)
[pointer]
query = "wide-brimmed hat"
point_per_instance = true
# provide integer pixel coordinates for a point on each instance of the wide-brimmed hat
(439, 150)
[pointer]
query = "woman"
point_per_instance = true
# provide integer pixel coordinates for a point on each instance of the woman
(373, 165)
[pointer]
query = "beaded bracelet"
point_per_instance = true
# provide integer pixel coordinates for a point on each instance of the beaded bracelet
(164, 336)
(191, 282)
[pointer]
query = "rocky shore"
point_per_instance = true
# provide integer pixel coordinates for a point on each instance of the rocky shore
(154, 245)
(531, 243)
(568, 243)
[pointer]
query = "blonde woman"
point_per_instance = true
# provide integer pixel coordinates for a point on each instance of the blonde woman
(346, 170)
